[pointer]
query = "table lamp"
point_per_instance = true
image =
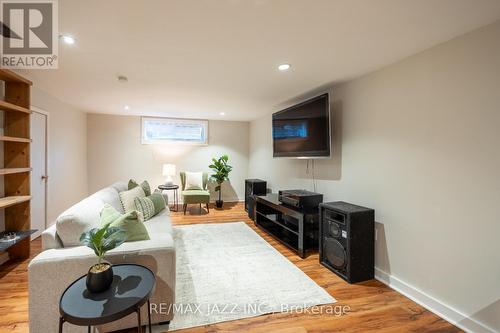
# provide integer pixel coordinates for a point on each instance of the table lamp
(169, 171)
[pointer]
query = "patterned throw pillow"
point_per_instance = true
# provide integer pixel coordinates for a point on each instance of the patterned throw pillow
(145, 206)
(145, 186)
(127, 198)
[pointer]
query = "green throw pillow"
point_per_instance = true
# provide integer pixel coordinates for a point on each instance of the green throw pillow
(150, 206)
(129, 222)
(158, 202)
(145, 186)
(109, 214)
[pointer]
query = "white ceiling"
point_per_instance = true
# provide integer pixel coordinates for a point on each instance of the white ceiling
(197, 58)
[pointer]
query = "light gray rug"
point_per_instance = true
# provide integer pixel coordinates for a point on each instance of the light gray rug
(226, 271)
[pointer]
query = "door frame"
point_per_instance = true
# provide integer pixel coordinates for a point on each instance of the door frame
(47, 162)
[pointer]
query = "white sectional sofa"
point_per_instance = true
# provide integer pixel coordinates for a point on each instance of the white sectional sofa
(62, 262)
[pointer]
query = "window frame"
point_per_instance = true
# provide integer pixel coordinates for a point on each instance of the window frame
(202, 122)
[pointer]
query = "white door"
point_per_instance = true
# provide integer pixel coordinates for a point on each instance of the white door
(39, 175)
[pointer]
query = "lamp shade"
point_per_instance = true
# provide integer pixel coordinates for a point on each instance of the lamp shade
(169, 169)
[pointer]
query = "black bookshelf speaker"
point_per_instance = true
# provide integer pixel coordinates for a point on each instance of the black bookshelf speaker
(253, 187)
(251, 207)
(347, 240)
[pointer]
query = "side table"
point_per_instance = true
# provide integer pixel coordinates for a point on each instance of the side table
(131, 288)
(174, 188)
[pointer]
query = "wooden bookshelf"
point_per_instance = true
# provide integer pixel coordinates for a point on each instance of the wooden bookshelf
(10, 171)
(14, 200)
(16, 169)
(6, 106)
(14, 139)
(9, 76)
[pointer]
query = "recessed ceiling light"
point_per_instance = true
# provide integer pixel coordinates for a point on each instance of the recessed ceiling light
(126, 107)
(68, 39)
(222, 113)
(284, 67)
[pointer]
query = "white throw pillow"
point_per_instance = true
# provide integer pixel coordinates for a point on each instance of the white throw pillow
(127, 198)
(194, 180)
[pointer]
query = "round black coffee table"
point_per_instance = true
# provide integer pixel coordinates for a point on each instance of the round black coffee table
(132, 285)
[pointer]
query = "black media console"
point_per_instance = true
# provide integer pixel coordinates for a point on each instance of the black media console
(295, 227)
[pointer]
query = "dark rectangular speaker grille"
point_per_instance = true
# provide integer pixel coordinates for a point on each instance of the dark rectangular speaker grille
(348, 229)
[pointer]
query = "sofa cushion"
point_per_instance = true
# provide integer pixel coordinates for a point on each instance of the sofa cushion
(120, 186)
(127, 198)
(77, 219)
(129, 222)
(196, 196)
(159, 225)
(110, 196)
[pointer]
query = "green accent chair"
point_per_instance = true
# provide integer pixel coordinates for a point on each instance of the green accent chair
(195, 196)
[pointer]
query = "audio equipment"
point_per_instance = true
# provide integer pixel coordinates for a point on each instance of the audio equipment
(296, 228)
(347, 240)
(251, 206)
(253, 187)
(300, 198)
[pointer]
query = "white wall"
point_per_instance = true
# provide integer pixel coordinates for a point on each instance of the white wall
(420, 144)
(67, 153)
(115, 153)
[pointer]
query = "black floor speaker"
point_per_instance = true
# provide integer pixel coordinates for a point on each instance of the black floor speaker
(347, 240)
(253, 187)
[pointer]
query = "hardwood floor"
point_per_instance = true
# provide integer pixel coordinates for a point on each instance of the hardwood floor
(374, 307)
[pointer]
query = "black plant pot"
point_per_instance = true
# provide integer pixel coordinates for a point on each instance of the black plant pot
(100, 281)
(219, 203)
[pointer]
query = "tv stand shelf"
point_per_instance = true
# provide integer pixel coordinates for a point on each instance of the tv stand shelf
(294, 228)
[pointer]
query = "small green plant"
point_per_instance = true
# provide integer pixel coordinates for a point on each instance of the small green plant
(221, 172)
(101, 240)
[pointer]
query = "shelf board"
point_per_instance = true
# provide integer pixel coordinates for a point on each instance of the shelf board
(6, 106)
(14, 139)
(13, 200)
(10, 76)
(9, 171)
(4, 245)
(273, 218)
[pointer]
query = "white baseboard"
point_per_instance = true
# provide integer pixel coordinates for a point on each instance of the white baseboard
(444, 311)
(212, 201)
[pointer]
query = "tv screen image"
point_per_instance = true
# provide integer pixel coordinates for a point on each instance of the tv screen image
(303, 130)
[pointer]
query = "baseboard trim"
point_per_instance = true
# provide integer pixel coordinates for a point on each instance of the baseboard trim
(213, 201)
(444, 311)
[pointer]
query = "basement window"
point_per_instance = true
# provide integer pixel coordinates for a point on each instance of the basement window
(173, 130)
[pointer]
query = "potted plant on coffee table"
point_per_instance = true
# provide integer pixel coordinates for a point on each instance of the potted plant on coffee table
(221, 173)
(101, 240)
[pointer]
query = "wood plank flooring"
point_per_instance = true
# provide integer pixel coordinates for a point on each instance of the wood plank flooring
(374, 307)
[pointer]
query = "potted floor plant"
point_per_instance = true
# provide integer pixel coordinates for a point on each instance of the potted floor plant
(221, 173)
(101, 240)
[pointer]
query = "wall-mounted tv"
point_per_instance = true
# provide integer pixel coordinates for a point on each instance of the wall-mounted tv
(303, 130)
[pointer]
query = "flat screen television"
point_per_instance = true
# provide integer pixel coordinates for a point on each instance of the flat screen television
(303, 130)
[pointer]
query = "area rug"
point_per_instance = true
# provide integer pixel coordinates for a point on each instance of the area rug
(226, 271)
